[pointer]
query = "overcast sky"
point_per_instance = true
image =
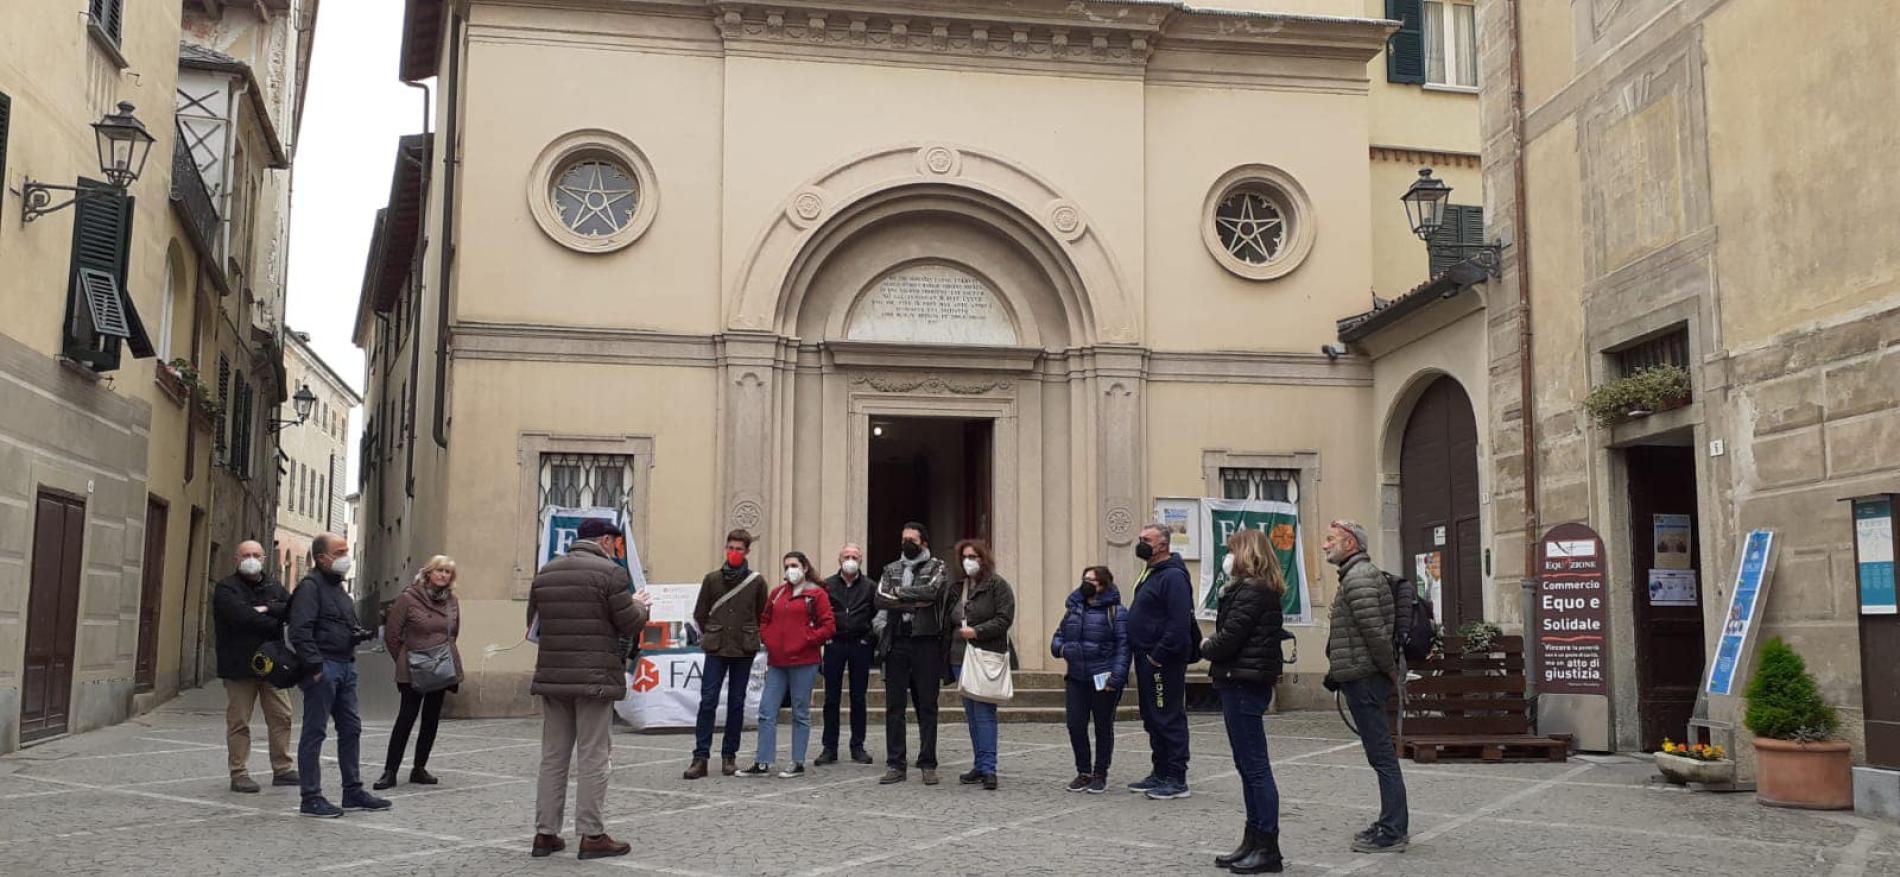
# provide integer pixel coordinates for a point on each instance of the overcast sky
(353, 113)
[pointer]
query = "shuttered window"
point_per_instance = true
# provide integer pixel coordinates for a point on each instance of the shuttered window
(6, 115)
(109, 17)
(224, 401)
(1464, 224)
(100, 318)
(1405, 50)
(243, 396)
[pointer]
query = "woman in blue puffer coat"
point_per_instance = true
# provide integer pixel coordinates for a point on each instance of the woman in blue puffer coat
(1093, 638)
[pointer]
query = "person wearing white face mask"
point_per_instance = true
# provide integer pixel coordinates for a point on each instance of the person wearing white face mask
(984, 608)
(796, 622)
(324, 632)
(248, 610)
(852, 648)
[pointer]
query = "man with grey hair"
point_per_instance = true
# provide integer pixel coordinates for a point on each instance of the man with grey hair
(851, 648)
(249, 610)
(1164, 639)
(1364, 668)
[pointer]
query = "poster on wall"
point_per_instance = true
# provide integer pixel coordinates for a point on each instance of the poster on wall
(1671, 537)
(1873, 555)
(1752, 577)
(1428, 573)
(1572, 613)
(1672, 587)
(560, 525)
(663, 688)
(1182, 518)
(1221, 518)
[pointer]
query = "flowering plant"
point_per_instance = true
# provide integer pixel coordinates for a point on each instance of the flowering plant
(1697, 751)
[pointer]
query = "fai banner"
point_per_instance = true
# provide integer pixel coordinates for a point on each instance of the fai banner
(663, 687)
(1221, 518)
(1572, 612)
(560, 526)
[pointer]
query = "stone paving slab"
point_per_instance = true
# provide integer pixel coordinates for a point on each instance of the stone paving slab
(149, 797)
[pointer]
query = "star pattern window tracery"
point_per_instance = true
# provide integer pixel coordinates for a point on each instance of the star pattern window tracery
(596, 198)
(1252, 227)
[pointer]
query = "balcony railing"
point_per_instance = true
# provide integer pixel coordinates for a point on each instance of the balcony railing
(192, 200)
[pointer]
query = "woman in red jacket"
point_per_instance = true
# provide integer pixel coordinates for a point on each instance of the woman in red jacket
(796, 623)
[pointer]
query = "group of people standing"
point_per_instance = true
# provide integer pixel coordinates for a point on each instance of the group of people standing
(914, 621)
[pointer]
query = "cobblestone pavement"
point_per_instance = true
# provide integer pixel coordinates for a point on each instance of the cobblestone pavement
(149, 797)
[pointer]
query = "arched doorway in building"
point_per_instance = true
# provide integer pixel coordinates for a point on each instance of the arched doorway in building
(1438, 501)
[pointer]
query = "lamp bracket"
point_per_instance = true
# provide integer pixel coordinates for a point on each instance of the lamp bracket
(38, 197)
(1490, 257)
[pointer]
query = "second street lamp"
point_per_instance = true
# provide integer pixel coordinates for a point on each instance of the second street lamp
(304, 401)
(1425, 202)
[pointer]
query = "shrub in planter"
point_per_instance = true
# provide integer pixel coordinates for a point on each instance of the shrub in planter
(1799, 761)
(1646, 391)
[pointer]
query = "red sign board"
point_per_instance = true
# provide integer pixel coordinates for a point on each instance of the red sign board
(1572, 612)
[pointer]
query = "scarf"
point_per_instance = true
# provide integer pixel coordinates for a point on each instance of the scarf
(435, 594)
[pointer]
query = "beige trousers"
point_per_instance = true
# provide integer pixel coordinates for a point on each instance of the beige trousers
(240, 696)
(580, 730)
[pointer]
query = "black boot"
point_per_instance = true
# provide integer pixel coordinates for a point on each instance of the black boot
(1240, 852)
(386, 781)
(1264, 858)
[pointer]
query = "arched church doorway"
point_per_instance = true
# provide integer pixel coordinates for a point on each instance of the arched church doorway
(1438, 487)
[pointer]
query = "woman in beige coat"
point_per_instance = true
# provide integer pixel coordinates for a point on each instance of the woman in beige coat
(425, 616)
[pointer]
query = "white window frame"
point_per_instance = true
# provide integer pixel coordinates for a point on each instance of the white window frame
(1445, 38)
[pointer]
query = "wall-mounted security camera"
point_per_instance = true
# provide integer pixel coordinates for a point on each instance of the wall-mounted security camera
(1333, 351)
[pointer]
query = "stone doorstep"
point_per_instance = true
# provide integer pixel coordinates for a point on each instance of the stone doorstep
(1877, 793)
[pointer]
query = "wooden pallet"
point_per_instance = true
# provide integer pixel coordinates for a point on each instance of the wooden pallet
(1503, 748)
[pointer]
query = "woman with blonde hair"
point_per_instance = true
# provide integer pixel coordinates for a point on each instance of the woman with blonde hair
(419, 632)
(1244, 659)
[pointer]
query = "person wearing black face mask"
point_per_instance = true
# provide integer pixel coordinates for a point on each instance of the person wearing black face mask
(1164, 640)
(911, 648)
(1093, 638)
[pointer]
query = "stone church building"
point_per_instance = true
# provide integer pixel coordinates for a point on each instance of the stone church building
(1016, 269)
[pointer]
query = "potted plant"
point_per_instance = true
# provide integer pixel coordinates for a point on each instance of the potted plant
(1799, 761)
(1683, 763)
(1639, 394)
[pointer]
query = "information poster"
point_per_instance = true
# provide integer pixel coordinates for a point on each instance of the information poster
(560, 525)
(1182, 519)
(1873, 554)
(1221, 518)
(1672, 587)
(1751, 579)
(1672, 542)
(1572, 613)
(663, 689)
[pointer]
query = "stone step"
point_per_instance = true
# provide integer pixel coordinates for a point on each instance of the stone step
(874, 697)
(948, 717)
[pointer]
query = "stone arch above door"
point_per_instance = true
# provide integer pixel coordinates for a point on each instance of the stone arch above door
(772, 284)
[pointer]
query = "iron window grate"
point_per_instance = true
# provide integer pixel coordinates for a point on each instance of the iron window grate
(586, 480)
(1278, 485)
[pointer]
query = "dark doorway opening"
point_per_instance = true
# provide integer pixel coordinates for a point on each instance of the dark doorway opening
(52, 615)
(151, 590)
(1438, 502)
(1665, 536)
(935, 470)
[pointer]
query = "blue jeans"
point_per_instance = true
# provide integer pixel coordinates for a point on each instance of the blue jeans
(1366, 699)
(1162, 694)
(985, 737)
(733, 674)
(332, 697)
(1244, 708)
(777, 680)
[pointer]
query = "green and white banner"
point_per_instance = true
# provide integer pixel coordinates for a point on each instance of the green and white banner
(1221, 518)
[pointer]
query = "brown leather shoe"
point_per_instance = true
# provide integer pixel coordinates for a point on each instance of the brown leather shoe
(546, 845)
(930, 776)
(601, 846)
(893, 775)
(729, 766)
(698, 769)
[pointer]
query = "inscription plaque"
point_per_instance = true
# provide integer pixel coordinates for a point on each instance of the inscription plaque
(931, 304)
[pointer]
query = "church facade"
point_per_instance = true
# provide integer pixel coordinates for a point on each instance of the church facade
(1017, 270)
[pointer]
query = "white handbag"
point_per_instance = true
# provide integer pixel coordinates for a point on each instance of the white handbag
(985, 675)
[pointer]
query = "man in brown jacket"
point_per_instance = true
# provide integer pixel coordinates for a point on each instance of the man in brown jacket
(731, 599)
(583, 606)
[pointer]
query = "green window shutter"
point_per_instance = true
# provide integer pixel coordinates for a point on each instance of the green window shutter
(6, 115)
(1405, 50)
(101, 227)
(1464, 224)
(109, 15)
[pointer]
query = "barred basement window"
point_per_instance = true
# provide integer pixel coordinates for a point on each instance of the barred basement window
(1280, 485)
(587, 480)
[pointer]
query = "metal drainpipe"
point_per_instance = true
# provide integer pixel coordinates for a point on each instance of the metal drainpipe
(450, 128)
(1527, 403)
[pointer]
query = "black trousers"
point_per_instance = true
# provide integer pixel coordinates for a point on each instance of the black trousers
(430, 706)
(912, 671)
(1085, 706)
(840, 657)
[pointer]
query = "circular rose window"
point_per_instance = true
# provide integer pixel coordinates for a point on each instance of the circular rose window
(592, 191)
(1257, 222)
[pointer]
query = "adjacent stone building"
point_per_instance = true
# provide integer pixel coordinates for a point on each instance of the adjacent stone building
(311, 494)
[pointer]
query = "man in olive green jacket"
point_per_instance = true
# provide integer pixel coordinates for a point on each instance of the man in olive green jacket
(1363, 668)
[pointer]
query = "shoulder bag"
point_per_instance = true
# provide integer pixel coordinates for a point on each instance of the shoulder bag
(985, 675)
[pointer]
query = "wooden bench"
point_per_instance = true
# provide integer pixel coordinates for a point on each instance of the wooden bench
(1470, 706)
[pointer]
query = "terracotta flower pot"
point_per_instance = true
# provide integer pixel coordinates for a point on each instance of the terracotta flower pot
(1811, 776)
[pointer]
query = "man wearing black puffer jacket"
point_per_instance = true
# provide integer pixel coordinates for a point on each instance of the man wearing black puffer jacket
(852, 648)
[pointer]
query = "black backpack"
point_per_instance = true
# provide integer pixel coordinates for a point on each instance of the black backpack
(1412, 621)
(276, 662)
